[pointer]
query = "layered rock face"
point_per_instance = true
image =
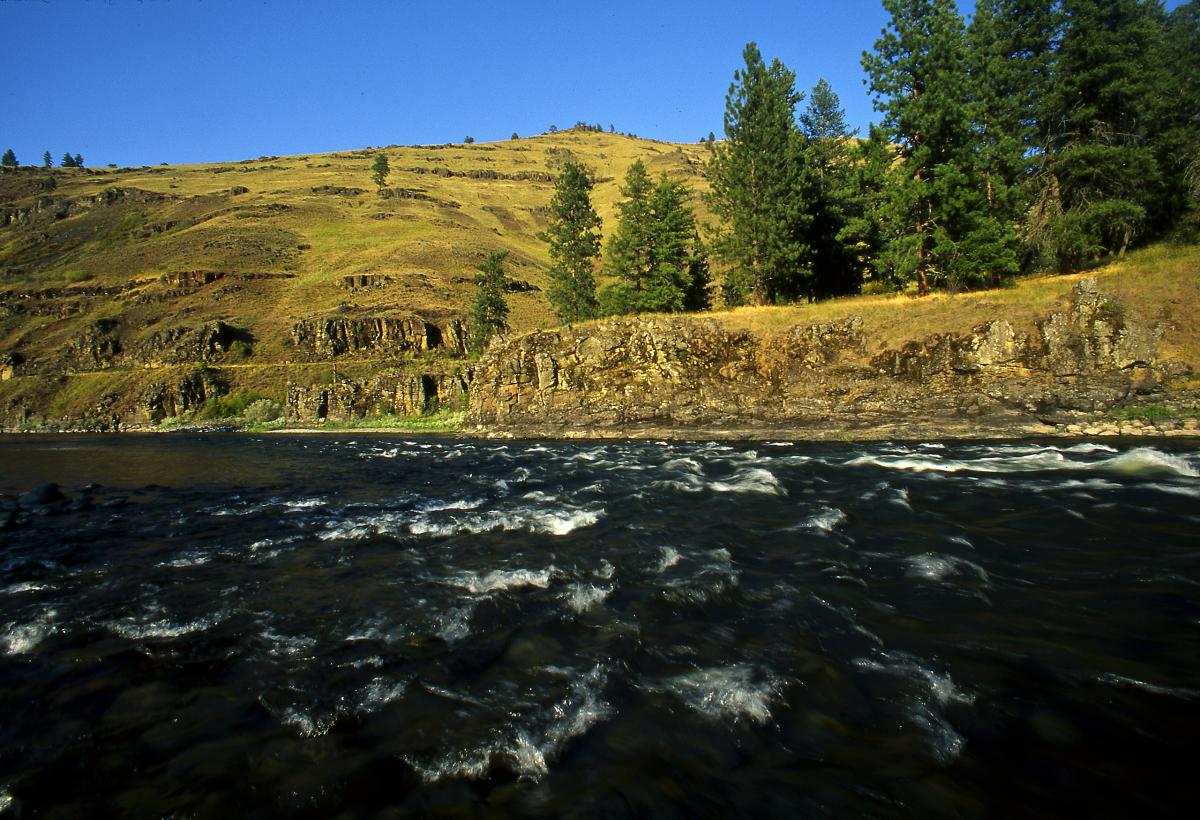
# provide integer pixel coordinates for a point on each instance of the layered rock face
(393, 392)
(336, 336)
(651, 375)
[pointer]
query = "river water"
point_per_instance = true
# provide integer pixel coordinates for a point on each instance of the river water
(231, 626)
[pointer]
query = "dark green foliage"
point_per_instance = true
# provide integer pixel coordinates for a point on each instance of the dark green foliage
(574, 237)
(1177, 146)
(1010, 63)
(654, 251)
(78, 160)
(1102, 185)
(228, 406)
(47, 160)
(757, 180)
(9, 160)
(380, 171)
(828, 192)
(489, 312)
(514, 136)
(468, 140)
(68, 161)
(918, 74)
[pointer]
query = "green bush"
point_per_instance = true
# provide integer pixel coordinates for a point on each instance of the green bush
(226, 407)
(262, 411)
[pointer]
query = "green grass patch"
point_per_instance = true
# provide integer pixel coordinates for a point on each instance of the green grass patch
(443, 421)
(1141, 412)
(229, 406)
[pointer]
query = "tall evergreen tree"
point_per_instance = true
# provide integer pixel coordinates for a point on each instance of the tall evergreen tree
(380, 171)
(1177, 145)
(47, 160)
(756, 179)
(1011, 57)
(574, 237)
(823, 123)
(871, 223)
(653, 251)
(68, 161)
(78, 160)
(1103, 179)
(489, 311)
(9, 160)
(918, 74)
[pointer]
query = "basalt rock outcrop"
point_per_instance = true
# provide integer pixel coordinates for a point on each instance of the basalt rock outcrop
(377, 335)
(392, 392)
(671, 375)
(173, 398)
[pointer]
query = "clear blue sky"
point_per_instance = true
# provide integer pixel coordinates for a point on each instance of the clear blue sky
(141, 82)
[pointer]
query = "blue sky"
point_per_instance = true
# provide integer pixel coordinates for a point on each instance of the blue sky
(141, 82)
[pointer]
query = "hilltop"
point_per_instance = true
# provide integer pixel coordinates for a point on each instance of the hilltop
(268, 268)
(138, 296)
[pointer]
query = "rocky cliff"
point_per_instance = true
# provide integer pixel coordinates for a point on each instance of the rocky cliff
(677, 376)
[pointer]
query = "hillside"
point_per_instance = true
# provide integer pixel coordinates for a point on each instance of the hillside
(113, 281)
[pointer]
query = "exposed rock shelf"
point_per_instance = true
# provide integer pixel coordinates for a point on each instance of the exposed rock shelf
(684, 375)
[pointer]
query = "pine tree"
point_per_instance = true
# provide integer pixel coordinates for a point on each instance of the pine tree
(823, 123)
(489, 312)
(47, 160)
(9, 160)
(1177, 145)
(380, 171)
(1102, 179)
(574, 237)
(918, 74)
(653, 251)
(68, 161)
(756, 178)
(1011, 58)
(871, 227)
(79, 161)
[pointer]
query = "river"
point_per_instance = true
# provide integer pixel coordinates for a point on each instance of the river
(342, 625)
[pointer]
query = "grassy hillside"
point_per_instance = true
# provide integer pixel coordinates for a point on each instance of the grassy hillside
(109, 278)
(312, 219)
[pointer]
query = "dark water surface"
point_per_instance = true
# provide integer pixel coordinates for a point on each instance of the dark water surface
(320, 626)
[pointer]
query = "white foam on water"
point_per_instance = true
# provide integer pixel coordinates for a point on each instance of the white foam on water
(304, 504)
(581, 597)
(1089, 447)
(960, 539)
(1191, 492)
(935, 691)
(19, 638)
(364, 527)
(734, 693)
(750, 480)
(540, 497)
(6, 800)
(529, 746)
(438, 504)
(288, 646)
(900, 499)
(309, 725)
(1171, 691)
(26, 586)
(160, 628)
(470, 764)
(560, 521)
(192, 559)
(670, 557)
(571, 716)
(780, 443)
(606, 570)
(824, 521)
(502, 580)
(454, 625)
(1145, 462)
(379, 693)
(683, 465)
